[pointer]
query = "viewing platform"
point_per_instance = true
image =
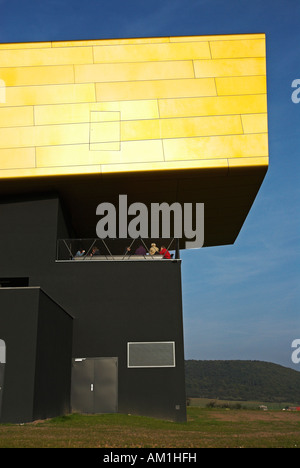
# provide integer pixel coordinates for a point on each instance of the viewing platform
(86, 250)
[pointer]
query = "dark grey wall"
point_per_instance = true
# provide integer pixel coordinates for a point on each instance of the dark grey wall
(18, 320)
(111, 302)
(117, 302)
(54, 353)
(38, 338)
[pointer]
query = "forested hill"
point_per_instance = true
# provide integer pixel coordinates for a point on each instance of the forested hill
(242, 380)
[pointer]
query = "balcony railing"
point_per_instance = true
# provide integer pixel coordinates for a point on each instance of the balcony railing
(117, 249)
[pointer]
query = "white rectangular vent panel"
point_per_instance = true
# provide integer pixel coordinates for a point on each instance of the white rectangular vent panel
(151, 354)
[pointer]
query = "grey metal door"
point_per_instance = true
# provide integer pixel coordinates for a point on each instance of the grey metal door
(95, 385)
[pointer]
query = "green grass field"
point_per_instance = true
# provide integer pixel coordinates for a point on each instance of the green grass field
(205, 428)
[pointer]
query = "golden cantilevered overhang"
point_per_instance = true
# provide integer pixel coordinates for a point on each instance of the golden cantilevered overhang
(160, 119)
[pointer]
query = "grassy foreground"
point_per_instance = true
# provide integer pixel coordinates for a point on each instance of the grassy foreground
(205, 428)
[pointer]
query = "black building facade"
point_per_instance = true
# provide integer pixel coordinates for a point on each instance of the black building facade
(101, 336)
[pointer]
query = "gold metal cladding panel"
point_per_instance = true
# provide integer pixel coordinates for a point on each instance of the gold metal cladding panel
(241, 85)
(166, 165)
(45, 56)
(25, 45)
(12, 157)
(44, 135)
(16, 116)
(81, 112)
(26, 76)
(180, 127)
(229, 146)
(230, 67)
(220, 105)
(255, 123)
(132, 152)
(227, 37)
(238, 48)
(110, 72)
(48, 171)
(153, 52)
(155, 89)
(56, 94)
(133, 105)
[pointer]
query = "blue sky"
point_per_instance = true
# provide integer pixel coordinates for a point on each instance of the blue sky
(240, 301)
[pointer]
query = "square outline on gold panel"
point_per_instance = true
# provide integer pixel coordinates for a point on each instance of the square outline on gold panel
(108, 124)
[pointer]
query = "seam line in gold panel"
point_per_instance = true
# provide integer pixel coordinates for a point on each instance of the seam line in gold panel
(128, 41)
(50, 84)
(233, 76)
(161, 79)
(158, 119)
(135, 44)
(173, 60)
(175, 98)
(210, 136)
(247, 94)
(46, 45)
(241, 120)
(122, 81)
(209, 97)
(209, 48)
(18, 168)
(50, 65)
(236, 76)
(183, 97)
(220, 37)
(158, 40)
(140, 62)
(227, 58)
(57, 104)
(109, 42)
(215, 85)
(195, 161)
(194, 71)
(236, 38)
(171, 79)
(150, 99)
(144, 140)
(67, 166)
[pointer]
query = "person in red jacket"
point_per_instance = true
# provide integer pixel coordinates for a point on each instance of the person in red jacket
(163, 251)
